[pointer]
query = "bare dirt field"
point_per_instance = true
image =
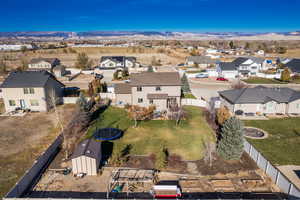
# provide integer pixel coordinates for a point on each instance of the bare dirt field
(22, 139)
(68, 58)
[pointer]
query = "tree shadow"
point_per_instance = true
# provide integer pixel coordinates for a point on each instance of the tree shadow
(107, 149)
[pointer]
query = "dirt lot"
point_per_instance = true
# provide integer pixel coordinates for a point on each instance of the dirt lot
(22, 139)
(143, 55)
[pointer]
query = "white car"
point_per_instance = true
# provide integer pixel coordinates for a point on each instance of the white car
(202, 75)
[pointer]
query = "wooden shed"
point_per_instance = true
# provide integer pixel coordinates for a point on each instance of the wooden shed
(86, 157)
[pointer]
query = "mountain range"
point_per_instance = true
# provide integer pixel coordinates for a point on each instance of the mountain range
(145, 35)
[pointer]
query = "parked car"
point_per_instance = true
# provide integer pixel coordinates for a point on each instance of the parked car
(201, 75)
(221, 79)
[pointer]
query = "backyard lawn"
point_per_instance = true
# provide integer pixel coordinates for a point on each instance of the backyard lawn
(282, 147)
(185, 140)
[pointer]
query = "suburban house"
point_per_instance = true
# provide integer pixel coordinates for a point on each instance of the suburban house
(113, 62)
(227, 70)
(294, 66)
(242, 66)
(262, 100)
(150, 88)
(32, 90)
(86, 157)
(201, 61)
(43, 64)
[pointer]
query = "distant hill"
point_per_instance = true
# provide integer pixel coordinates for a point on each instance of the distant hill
(151, 35)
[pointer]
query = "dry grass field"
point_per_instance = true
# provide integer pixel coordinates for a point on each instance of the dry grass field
(68, 55)
(22, 140)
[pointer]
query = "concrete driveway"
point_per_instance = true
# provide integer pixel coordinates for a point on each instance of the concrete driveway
(207, 91)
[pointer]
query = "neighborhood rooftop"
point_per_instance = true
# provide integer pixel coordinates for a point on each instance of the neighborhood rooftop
(294, 65)
(201, 60)
(88, 147)
(117, 58)
(37, 60)
(260, 94)
(27, 79)
(155, 78)
(123, 88)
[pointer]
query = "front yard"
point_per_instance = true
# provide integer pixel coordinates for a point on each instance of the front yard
(282, 147)
(185, 140)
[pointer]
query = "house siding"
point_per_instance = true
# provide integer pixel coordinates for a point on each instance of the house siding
(172, 91)
(84, 164)
(123, 99)
(294, 107)
(17, 94)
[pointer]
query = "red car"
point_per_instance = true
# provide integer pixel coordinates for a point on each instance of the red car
(222, 79)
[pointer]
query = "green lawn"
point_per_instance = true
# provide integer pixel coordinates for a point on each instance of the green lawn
(257, 80)
(283, 144)
(189, 96)
(185, 140)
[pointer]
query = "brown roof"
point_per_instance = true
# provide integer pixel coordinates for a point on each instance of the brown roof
(155, 78)
(123, 88)
(157, 96)
(37, 60)
(89, 148)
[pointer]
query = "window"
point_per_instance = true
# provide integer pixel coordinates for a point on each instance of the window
(25, 90)
(151, 101)
(34, 102)
(12, 103)
(158, 88)
(28, 90)
(139, 88)
(140, 100)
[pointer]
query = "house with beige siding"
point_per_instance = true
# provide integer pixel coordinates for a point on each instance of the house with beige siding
(86, 157)
(33, 90)
(160, 89)
(113, 62)
(43, 64)
(262, 100)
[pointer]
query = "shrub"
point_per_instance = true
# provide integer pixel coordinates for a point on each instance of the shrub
(222, 115)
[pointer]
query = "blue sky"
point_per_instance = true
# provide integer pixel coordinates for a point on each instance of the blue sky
(162, 15)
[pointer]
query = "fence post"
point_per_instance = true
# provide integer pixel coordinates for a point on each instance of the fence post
(267, 167)
(290, 188)
(257, 157)
(277, 177)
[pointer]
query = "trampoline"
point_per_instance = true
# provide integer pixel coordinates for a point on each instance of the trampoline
(107, 134)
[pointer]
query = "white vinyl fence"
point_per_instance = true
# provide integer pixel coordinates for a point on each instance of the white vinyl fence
(193, 102)
(70, 100)
(108, 95)
(279, 179)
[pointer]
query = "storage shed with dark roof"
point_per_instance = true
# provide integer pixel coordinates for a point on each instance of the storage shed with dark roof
(86, 157)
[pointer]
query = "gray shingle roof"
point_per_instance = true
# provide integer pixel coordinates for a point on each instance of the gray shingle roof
(294, 65)
(155, 78)
(89, 148)
(50, 60)
(122, 88)
(201, 60)
(23, 79)
(118, 58)
(260, 94)
(157, 96)
(227, 66)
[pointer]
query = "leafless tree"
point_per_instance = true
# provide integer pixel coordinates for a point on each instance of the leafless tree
(210, 149)
(138, 113)
(176, 113)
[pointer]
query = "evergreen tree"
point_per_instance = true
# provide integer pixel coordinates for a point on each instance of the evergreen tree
(82, 102)
(185, 84)
(231, 45)
(150, 69)
(231, 144)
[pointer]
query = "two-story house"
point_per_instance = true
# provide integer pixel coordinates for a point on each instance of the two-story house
(32, 90)
(43, 64)
(201, 61)
(160, 89)
(242, 66)
(113, 62)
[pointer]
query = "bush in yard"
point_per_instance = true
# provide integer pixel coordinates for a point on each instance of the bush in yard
(150, 69)
(222, 115)
(231, 144)
(138, 113)
(82, 102)
(185, 84)
(83, 61)
(161, 158)
(286, 75)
